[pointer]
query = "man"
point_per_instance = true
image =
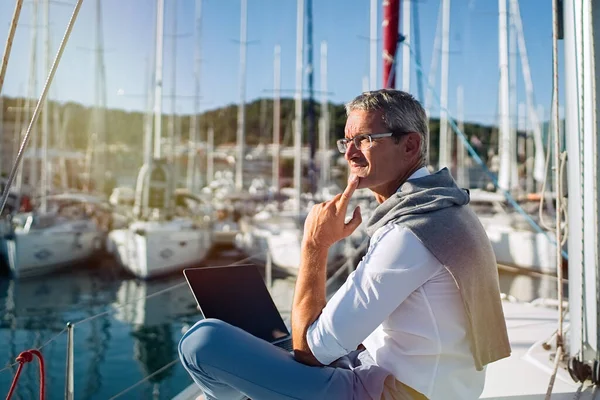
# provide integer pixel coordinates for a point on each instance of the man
(419, 318)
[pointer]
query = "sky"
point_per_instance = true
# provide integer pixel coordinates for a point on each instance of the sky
(128, 42)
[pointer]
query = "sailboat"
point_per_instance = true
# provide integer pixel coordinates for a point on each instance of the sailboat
(62, 230)
(556, 350)
(159, 241)
(274, 234)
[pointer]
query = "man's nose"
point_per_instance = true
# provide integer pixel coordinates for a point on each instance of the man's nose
(350, 151)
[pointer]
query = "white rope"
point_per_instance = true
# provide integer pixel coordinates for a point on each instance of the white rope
(38, 106)
(9, 41)
(557, 358)
(543, 190)
(558, 184)
(559, 199)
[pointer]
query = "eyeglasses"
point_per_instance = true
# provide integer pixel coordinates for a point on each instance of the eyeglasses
(361, 142)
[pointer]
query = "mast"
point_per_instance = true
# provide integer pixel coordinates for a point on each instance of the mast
(172, 134)
(195, 123)
(462, 172)
(158, 79)
(406, 16)
(101, 164)
(31, 93)
(45, 114)
(512, 98)
(432, 73)
(310, 111)
(417, 47)
(445, 151)
(324, 131)
(391, 15)
(581, 42)
(18, 138)
(298, 103)
(431, 78)
(210, 151)
(539, 170)
(148, 120)
(372, 46)
(276, 116)
(241, 128)
(506, 145)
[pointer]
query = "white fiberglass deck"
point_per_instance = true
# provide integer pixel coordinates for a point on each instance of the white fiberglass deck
(523, 376)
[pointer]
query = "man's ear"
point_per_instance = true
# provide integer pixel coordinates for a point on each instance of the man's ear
(412, 144)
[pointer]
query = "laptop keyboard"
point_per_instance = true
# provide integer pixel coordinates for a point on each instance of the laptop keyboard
(285, 344)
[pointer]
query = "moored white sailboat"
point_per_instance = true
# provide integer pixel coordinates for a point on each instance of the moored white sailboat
(551, 358)
(159, 242)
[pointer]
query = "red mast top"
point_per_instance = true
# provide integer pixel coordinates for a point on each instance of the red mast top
(391, 17)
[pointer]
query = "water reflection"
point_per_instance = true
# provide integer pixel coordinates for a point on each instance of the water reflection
(36, 310)
(152, 323)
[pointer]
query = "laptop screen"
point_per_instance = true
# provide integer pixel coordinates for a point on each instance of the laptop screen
(237, 295)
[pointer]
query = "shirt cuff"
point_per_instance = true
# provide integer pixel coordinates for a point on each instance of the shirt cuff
(323, 344)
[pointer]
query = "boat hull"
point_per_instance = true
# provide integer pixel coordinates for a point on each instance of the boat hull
(154, 249)
(39, 252)
(520, 247)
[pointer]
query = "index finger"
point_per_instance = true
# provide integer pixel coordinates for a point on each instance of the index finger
(342, 205)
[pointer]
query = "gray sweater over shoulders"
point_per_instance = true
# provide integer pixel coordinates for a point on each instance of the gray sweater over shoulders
(436, 210)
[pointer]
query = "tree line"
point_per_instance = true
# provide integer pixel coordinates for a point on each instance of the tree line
(77, 121)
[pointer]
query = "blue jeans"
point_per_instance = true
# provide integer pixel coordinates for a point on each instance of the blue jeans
(229, 363)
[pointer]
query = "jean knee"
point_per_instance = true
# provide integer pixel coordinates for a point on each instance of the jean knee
(200, 341)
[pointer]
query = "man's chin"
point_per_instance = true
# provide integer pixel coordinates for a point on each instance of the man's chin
(363, 183)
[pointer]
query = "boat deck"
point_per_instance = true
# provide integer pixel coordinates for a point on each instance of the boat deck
(525, 375)
(522, 376)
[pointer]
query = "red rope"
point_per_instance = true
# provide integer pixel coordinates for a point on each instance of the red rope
(25, 357)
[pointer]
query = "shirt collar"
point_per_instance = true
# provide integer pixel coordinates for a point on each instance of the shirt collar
(421, 172)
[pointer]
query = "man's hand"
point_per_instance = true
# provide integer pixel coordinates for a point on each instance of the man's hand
(325, 223)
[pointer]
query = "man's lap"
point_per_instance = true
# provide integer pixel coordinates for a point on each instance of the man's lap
(259, 369)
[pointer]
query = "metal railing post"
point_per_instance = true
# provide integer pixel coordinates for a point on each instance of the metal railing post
(69, 375)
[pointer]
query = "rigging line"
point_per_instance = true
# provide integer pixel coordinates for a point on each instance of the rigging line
(253, 256)
(487, 171)
(169, 365)
(93, 317)
(9, 41)
(543, 190)
(36, 112)
(558, 185)
(595, 190)
(557, 358)
(565, 211)
(52, 339)
(557, 153)
(579, 95)
(8, 366)
(176, 286)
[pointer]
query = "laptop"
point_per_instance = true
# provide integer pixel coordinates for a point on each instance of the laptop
(237, 295)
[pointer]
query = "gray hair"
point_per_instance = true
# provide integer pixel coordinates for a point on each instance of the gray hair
(401, 113)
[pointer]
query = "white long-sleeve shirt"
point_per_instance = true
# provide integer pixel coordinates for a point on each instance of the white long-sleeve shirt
(403, 305)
